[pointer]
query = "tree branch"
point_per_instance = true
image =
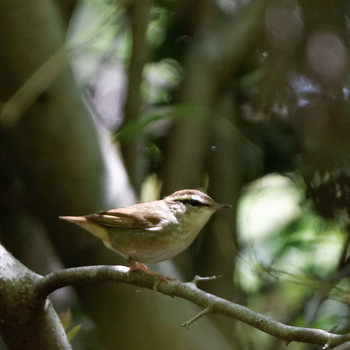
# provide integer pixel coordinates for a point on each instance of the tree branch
(25, 321)
(190, 292)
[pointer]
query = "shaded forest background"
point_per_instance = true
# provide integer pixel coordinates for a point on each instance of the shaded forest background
(105, 103)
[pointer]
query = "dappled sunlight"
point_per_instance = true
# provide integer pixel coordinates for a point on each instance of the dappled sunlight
(285, 244)
(266, 206)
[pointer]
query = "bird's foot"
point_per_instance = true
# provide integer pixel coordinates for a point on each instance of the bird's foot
(136, 265)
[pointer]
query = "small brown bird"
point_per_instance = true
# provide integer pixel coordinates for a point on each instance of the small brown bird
(152, 231)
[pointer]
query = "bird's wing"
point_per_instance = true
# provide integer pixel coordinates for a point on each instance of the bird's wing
(130, 217)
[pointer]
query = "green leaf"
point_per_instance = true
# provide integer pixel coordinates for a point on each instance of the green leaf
(137, 125)
(72, 333)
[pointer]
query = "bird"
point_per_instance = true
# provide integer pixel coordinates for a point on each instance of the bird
(151, 231)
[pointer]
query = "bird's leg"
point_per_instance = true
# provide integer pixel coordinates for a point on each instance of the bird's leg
(136, 265)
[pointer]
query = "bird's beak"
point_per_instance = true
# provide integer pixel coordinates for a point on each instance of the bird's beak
(222, 206)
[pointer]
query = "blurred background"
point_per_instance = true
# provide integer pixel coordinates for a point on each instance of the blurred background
(106, 103)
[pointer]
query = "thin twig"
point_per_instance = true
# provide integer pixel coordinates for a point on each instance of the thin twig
(197, 279)
(195, 318)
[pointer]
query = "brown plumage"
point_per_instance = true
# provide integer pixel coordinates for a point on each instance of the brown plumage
(152, 231)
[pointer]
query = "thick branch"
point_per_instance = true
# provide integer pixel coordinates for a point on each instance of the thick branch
(188, 291)
(25, 322)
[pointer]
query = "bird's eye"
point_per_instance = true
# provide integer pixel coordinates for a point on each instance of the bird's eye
(194, 202)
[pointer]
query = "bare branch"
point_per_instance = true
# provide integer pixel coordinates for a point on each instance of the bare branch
(190, 292)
